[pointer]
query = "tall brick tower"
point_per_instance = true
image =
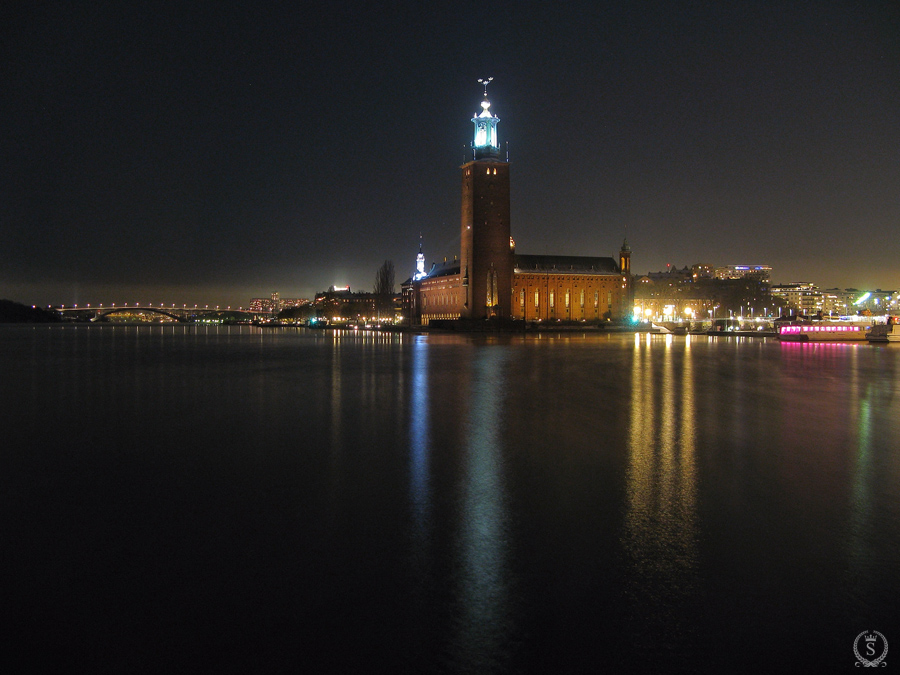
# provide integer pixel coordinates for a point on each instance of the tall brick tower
(627, 281)
(485, 254)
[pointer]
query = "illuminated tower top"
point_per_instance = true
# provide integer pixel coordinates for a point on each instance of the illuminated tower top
(420, 261)
(486, 143)
(625, 258)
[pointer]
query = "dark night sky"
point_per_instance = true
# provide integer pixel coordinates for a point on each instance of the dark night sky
(213, 151)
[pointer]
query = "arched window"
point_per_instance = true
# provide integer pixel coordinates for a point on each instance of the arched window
(492, 299)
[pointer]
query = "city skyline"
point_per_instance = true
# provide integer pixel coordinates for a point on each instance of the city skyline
(227, 152)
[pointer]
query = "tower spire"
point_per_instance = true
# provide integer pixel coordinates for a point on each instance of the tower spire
(420, 260)
(486, 143)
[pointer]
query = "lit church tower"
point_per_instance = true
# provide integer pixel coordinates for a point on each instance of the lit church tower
(625, 269)
(420, 262)
(486, 259)
(625, 259)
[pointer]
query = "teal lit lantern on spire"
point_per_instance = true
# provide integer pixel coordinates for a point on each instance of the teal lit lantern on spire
(486, 144)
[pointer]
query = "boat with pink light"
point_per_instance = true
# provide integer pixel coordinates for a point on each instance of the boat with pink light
(823, 331)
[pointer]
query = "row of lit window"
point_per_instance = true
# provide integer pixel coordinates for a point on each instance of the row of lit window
(489, 171)
(432, 317)
(552, 298)
(441, 299)
(819, 329)
(559, 275)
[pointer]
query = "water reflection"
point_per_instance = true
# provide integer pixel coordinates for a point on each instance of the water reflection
(484, 624)
(660, 533)
(874, 467)
(477, 504)
(419, 437)
(335, 398)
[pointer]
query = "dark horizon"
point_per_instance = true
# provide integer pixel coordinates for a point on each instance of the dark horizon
(217, 153)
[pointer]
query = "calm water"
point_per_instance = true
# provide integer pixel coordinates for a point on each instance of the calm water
(237, 500)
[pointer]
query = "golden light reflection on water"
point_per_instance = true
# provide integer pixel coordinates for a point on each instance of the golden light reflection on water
(336, 393)
(660, 531)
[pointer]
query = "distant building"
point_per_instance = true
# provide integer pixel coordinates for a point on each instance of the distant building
(703, 271)
(275, 303)
(671, 275)
(807, 299)
(835, 302)
(762, 272)
(341, 304)
(673, 295)
(693, 294)
(490, 280)
(800, 297)
(265, 304)
(876, 302)
(293, 302)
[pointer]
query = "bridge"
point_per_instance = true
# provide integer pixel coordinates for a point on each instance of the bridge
(183, 314)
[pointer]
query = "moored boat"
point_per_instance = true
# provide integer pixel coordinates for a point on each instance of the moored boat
(823, 331)
(884, 333)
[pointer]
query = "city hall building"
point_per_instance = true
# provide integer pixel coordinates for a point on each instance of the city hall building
(489, 279)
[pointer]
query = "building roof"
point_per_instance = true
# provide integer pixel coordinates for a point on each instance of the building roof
(443, 269)
(440, 269)
(565, 264)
